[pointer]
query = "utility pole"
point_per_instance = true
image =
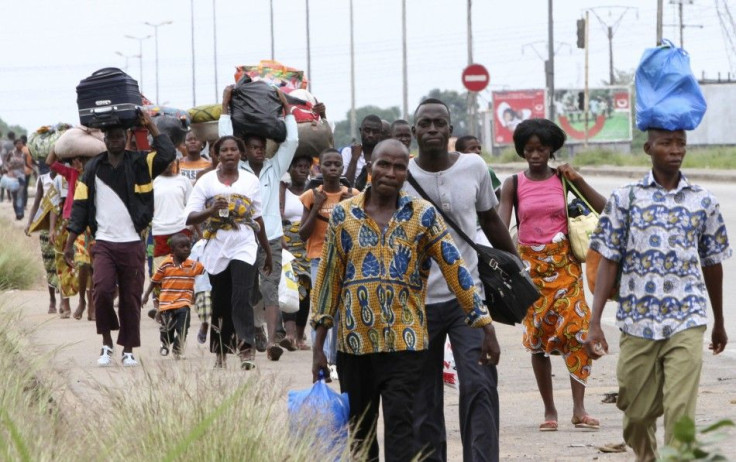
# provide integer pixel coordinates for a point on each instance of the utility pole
(404, 76)
(586, 104)
(194, 91)
(309, 54)
(155, 38)
(353, 124)
(681, 24)
(610, 30)
(214, 36)
(272, 41)
(472, 96)
(140, 56)
(660, 8)
(550, 65)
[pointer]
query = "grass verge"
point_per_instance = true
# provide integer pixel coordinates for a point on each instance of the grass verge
(176, 411)
(20, 261)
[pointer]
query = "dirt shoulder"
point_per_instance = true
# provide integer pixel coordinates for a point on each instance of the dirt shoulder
(69, 349)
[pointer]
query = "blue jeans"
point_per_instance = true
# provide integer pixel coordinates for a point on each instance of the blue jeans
(479, 416)
(17, 198)
(330, 346)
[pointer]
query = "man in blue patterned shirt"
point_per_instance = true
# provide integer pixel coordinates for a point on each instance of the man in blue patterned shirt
(374, 268)
(660, 231)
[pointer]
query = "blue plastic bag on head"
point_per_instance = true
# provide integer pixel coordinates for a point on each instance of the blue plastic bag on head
(667, 94)
(322, 408)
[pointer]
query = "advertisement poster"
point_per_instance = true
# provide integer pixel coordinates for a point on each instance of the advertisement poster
(609, 115)
(512, 107)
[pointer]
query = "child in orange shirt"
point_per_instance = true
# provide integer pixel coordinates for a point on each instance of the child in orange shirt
(318, 204)
(175, 277)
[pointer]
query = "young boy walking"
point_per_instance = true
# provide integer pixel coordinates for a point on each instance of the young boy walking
(661, 231)
(175, 277)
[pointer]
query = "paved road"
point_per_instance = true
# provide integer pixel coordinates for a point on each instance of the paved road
(69, 348)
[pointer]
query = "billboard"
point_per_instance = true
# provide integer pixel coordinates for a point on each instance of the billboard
(717, 124)
(512, 107)
(609, 114)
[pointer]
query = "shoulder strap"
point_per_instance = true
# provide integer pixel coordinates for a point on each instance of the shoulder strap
(516, 199)
(448, 220)
(575, 192)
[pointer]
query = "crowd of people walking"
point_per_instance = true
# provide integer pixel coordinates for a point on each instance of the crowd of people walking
(384, 279)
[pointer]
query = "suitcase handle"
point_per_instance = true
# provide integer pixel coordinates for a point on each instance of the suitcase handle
(107, 70)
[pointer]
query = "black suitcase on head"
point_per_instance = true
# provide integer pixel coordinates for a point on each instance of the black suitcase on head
(107, 98)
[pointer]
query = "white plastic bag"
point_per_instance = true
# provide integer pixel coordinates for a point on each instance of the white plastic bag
(449, 371)
(289, 285)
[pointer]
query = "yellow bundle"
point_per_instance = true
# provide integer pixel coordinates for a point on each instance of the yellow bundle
(205, 113)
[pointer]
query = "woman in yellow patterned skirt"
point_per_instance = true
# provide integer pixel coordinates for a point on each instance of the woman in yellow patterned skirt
(291, 215)
(557, 323)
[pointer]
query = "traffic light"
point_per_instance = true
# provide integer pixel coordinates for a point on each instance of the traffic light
(581, 33)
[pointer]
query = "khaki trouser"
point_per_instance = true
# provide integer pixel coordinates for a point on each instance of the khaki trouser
(655, 378)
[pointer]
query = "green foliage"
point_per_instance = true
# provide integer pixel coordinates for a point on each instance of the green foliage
(691, 444)
(458, 104)
(167, 411)
(20, 262)
(5, 128)
(342, 128)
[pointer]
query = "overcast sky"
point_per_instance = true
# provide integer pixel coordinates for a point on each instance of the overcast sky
(48, 46)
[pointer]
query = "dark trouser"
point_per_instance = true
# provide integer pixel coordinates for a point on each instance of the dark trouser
(479, 420)
(24, 188)
(393, 379)
(122, 263)
(301, 316)
(232, 328)
(174, 328)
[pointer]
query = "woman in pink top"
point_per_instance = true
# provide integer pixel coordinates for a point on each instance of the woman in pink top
(558, 322)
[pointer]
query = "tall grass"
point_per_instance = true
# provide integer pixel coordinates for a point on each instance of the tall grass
(20, 261)
(30, 421)
(171, 411)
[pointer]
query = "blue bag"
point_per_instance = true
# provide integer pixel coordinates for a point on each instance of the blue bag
(667, 94)
(321, 404)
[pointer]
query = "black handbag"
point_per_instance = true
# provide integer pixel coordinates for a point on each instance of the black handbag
(508, 287)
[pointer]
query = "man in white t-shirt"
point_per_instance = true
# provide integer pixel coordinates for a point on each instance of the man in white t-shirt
(356, 159)
(460, 186)
(114, 198)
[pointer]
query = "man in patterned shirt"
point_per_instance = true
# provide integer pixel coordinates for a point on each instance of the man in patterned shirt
(661, 230)
(374, 268)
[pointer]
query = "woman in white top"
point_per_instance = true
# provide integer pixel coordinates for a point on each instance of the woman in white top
(291, 215)
(170, 195)
(228, 203)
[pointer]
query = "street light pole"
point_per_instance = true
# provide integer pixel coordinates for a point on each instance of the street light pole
(140, 56)
(155, 39)
(194, 86)
(126, 57)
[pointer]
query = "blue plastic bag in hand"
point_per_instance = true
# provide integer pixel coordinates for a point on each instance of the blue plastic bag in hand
(323, 408)
(667, 94)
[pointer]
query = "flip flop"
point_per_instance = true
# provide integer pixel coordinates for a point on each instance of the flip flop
(202, 336)
(586, 422)
(548, 426)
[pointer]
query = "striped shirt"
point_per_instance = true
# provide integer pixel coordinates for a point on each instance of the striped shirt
(177, 282)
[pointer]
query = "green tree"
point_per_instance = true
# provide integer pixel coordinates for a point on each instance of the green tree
(5, 128)
(342, 128)
(458, 104)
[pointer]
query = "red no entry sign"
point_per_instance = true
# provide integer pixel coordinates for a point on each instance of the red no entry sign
(476, 77)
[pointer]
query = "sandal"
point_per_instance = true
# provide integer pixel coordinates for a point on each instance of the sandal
(274, 352)
(586, 422)
(78, 312)
(303, 346)
(248, 359)
(548, 426)
(202, 336)
(288, 343)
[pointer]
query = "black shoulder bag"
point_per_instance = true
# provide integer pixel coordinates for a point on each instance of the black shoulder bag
(508, 288)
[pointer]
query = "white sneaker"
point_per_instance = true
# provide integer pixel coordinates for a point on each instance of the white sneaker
(129, 360)
(105, 358)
